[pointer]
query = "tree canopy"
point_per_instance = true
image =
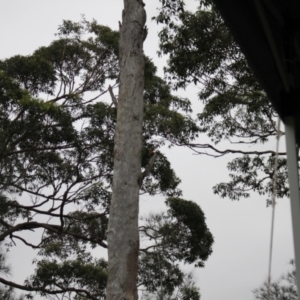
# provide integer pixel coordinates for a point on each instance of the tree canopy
(236, 111)
(57, 124)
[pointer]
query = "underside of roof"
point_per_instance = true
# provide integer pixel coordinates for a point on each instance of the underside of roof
(268, 32)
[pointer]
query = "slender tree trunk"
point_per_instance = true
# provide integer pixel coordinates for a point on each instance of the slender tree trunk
(123, 235)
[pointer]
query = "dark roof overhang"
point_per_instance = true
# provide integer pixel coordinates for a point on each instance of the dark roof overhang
(268, 32)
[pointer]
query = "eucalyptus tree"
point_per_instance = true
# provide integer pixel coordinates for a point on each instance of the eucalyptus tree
(58, 116)
(123, 234)
(236, 110)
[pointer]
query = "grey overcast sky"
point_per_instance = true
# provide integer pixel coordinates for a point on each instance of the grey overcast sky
(239, 261)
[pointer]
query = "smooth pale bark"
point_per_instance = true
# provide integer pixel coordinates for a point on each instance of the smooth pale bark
(123, 235)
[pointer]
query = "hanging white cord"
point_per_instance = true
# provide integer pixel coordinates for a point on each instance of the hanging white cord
(278, 134)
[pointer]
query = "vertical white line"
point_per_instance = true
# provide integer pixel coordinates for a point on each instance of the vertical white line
(292, 163)
(274, 192)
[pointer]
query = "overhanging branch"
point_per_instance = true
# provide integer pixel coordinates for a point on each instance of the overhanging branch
(220, 153)
(44, 290)
(53, 228)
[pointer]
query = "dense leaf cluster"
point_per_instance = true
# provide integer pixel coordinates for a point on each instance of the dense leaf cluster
(179, 235)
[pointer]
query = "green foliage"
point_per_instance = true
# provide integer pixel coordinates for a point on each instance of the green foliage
(162, 179)
(82, 275)
(169, 9)
(57, 126)
(186, 230)
(202, 51)
(180, 235)
(35, 73)
(159, 274)
(185, 290)
(282, 289)
(250, 169)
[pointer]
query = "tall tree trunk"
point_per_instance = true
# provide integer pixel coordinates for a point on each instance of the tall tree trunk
(123, 235)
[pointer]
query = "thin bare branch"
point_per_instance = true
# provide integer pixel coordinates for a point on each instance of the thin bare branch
(113, 97)
(223, 152)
